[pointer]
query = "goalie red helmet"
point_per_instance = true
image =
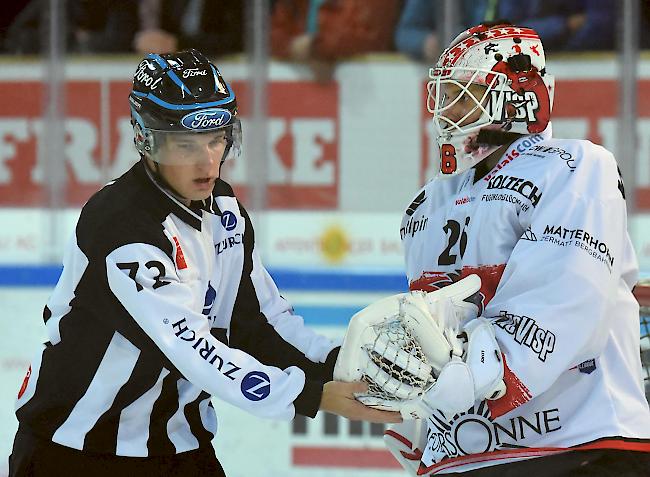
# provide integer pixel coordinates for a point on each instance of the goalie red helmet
(490, 78)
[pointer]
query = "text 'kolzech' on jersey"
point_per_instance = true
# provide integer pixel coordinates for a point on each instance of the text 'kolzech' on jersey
(159, 307)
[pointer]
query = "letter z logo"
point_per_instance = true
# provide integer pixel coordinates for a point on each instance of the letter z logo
(256, 386)
(228, 220)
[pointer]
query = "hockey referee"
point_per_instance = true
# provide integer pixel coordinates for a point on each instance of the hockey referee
(163, 303)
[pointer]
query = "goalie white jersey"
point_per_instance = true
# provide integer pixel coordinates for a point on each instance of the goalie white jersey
(546, 230)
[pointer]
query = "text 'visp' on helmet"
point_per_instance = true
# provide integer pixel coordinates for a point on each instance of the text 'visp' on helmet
(491, 81)
(182, 109)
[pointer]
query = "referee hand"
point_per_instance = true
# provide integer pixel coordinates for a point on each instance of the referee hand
(338, 398)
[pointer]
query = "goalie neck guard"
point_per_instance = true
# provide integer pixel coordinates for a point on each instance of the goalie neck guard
(491, 78)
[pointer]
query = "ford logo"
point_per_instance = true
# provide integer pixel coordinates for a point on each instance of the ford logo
(206, 119)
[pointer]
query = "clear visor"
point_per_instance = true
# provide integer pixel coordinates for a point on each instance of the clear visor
(460, 99)
(192, 148)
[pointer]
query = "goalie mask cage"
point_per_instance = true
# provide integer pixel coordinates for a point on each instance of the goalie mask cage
(642, 293)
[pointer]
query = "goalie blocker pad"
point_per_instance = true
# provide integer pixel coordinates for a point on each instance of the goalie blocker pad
(462, 382)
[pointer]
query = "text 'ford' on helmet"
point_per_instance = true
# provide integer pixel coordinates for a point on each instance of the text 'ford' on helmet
(491, 78)
(176, 96)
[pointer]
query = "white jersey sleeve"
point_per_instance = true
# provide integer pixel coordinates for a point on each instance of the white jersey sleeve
(144, 280)
(280, 314)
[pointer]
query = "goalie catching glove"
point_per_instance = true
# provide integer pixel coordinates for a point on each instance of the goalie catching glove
(414, 355)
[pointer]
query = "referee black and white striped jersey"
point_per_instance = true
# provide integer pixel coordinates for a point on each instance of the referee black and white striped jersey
(161, 306)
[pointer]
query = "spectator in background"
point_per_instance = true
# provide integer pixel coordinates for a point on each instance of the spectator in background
(91, 25)
(215, 28)
(23, 28)
(103, 26)
(644, 24)
(320, 32)
(419, 25)
(563, 25)
(158, 26)
(9, 13)
(566, 25)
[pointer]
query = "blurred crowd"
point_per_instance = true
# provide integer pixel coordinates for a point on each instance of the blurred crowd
(316, 32)
(127, 26)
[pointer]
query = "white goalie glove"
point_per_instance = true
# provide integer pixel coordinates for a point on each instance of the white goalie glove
(415, 357)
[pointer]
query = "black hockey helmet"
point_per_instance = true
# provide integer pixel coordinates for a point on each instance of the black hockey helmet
(181, 93)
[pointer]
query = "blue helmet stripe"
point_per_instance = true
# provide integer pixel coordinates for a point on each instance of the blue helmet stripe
(178, 81)
(174, 77)
(158, 59)
(138, 118)
(181, 107)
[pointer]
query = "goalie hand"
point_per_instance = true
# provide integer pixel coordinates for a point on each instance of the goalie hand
(407, 348)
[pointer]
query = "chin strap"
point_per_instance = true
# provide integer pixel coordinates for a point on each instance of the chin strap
(157, 177)
(496, 137)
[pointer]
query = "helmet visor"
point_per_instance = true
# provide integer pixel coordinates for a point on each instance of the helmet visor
(192, 148)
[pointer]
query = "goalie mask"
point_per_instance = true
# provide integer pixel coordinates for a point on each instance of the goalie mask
(180, 101)
(488, 86)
